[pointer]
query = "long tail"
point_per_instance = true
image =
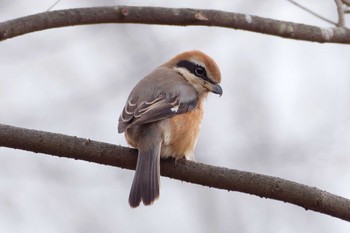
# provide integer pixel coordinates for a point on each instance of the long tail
(145, 186)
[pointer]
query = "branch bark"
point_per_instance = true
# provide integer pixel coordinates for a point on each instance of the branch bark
(171, 16)
(60, 145)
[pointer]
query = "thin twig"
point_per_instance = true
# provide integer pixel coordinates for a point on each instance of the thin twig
(53, 5)
(340, 10)
(197, 173)
(312, 12)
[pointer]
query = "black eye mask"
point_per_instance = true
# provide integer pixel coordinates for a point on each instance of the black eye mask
(195, 69)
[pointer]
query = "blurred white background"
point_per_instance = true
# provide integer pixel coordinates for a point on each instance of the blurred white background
(285, 112)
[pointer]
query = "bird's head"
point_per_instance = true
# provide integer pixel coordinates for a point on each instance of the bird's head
(199, 70)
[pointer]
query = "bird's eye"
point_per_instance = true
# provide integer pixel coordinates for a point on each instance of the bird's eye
(199, 71)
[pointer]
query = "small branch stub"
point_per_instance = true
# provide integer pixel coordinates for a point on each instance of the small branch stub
(340, 10)
(201, 17)
(124, 11)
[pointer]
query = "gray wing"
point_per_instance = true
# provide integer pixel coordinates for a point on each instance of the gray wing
(155, 98)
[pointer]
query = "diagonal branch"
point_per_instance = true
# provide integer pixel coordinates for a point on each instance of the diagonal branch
(312, 12)
(197, 173)
(171, 16)
(53, 5)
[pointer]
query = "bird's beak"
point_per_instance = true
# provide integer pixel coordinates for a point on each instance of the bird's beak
(215, 88)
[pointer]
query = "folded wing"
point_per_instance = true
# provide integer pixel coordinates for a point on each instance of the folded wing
(148, 104)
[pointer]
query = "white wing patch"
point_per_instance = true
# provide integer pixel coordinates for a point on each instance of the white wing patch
(175, 108)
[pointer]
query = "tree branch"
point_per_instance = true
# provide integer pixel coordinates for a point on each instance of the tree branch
(197, 173)
(171, 16)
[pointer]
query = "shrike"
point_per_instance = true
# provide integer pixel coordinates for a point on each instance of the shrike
(162, 117)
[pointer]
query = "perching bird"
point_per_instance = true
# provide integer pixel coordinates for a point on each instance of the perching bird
(162, 117)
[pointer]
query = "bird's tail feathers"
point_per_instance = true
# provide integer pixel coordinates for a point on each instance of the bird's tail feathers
(145, 186)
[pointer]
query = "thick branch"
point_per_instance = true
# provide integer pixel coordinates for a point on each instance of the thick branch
(168, 16)
(222, 178)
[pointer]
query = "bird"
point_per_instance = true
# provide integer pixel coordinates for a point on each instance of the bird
(162, 117)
